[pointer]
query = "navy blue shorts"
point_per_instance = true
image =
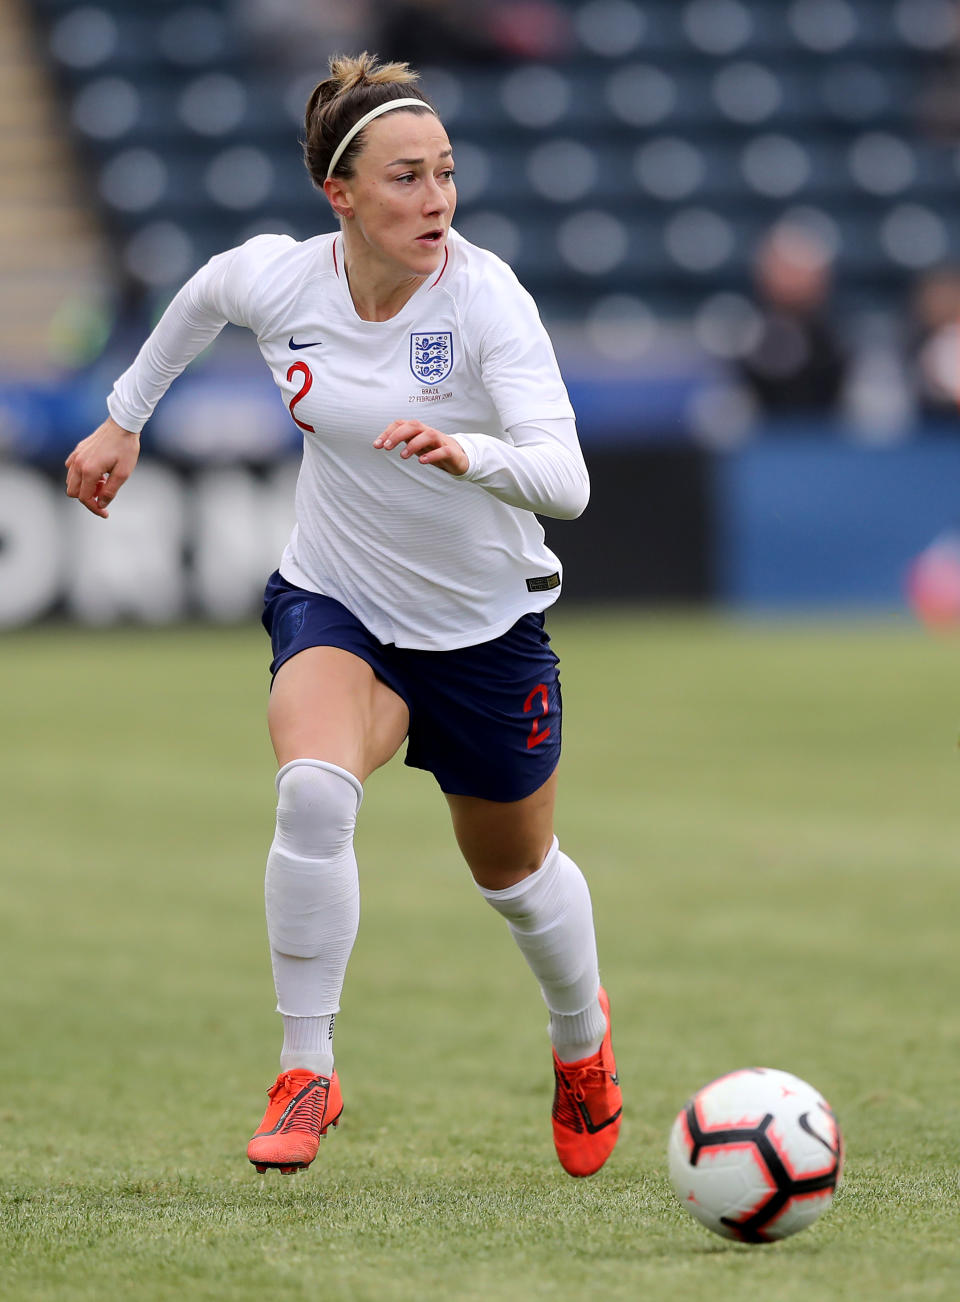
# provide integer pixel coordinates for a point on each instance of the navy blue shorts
(484, 719)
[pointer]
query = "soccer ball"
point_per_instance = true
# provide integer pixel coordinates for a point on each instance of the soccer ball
(756, 1155)
(933, 583)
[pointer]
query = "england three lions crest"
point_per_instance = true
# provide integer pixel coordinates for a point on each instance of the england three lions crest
(431, 356)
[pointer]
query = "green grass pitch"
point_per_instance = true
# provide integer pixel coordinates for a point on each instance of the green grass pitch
(769, 817)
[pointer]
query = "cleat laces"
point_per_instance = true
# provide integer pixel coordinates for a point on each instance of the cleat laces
(306, 1114)
(589, 1077)
(579, 1084)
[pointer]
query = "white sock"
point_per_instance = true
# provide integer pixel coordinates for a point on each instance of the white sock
(308, 1042)
(550, 916)
(312, 897)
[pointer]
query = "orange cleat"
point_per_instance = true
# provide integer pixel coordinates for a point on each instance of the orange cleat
(587, 1106)
(302, 1107)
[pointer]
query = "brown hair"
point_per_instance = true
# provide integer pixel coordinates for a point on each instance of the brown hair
(357, 84)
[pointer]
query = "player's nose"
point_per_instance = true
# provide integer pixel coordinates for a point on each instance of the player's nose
(436, 200)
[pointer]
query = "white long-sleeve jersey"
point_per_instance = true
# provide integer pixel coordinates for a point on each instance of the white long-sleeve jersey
(423, 558)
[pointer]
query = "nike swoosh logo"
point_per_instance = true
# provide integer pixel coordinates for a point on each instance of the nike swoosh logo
(316, 344)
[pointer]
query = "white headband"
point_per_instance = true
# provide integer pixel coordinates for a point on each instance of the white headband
(368, 117)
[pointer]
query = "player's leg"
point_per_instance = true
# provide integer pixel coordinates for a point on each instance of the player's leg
(521, 871)
(332, 722)
(326, 698)
(489, 728)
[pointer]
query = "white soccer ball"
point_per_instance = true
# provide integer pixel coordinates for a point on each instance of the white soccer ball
(756, 1155)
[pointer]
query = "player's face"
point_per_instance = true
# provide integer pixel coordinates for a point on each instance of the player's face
(402, 194)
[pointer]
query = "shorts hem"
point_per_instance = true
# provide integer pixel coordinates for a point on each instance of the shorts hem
(497, 796)
(394, 686)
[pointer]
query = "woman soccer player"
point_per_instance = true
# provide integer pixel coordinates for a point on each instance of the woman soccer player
(409, 600)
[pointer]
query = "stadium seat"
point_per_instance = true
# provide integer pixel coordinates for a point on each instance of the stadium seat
(652, 156)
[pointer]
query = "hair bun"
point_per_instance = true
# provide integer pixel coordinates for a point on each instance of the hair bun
(350, 70)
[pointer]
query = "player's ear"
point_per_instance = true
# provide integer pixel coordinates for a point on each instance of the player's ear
(338, 194)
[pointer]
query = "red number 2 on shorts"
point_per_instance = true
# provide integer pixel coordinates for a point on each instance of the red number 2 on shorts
(301, 368)
(537, 734)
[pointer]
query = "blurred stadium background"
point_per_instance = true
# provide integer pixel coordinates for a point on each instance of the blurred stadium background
(739, 219)
(755, 447)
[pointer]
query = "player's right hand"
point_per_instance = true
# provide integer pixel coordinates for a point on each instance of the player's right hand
(100, 465)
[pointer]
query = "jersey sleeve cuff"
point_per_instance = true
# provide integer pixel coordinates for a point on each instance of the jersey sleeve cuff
(123, 418)
(469, 447)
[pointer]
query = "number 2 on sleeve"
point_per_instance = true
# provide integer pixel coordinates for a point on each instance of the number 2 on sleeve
(300, 368)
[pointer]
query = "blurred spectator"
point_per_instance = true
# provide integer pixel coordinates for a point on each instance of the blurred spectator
(472, 31)
(935, 346)
(878, 399)
(304, 33)
(938, 96)
(531, 29)
(796, 363)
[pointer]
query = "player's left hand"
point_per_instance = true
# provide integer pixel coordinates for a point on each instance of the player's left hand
(429, 446)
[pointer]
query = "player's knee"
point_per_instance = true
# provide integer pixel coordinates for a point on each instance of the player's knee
(524, 901)
(500, 863)
(311, 864)
(317, 806)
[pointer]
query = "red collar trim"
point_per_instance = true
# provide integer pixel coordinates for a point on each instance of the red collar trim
(446, 259)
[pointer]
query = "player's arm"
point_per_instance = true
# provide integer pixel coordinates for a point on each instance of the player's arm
(101, 464)
(539, 467)
(193, 319)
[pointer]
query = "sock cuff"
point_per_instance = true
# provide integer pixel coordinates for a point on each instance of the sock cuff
(303, 1017)
(576, 1036)
(589, 1012)
(543, 877)
(347, 776)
